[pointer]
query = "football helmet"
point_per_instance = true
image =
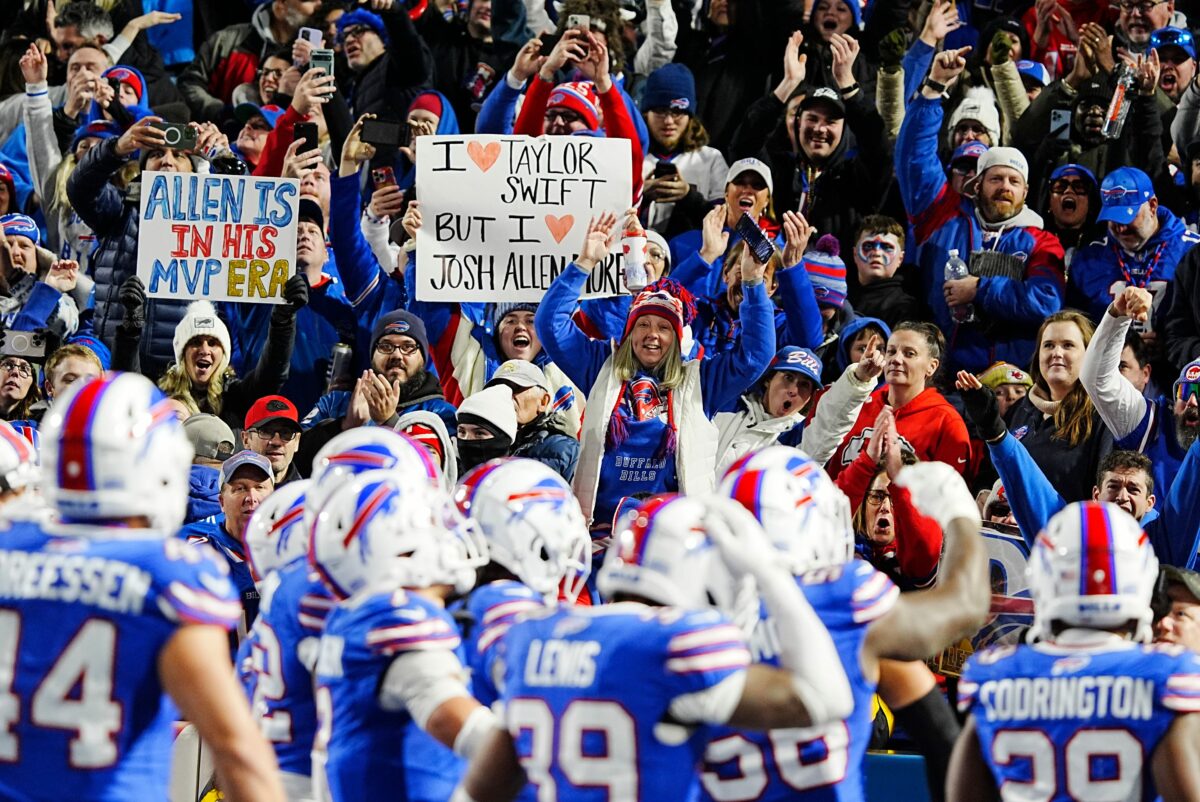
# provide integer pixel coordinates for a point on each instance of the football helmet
(391, 529)
(806, 516)
(18, 459)
(113, 448)
(366, 448)
(1092, 566)
(532, 523)
(276, 534)
(663, 554)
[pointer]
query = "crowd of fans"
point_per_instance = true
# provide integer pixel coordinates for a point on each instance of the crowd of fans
(984, 218)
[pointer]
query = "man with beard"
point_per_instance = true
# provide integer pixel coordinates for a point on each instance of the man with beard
(1016, 267)
(1125, 478)
(1163, 428)
(1138, 21)
(1144, 244)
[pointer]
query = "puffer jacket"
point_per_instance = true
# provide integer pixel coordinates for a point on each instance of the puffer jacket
(113, 216)
(228, 59)
(546, 439)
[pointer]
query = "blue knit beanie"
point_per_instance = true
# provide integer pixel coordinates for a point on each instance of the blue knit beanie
(671, 86)
(827, 272)
(360, 16)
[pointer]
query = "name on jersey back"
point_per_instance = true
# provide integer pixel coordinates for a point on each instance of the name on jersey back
(570, 664)
(1048, 698)
(110, 585)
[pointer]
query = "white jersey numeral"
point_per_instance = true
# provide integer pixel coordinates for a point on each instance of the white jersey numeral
(787, 748)
(269, 685)
(1035, 747)
(616, 770)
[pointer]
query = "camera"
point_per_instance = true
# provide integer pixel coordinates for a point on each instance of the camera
(177, 136)
(29, 345)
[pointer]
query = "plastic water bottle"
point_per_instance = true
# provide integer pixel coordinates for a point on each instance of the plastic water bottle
(633, 245)
(955, 269)
(1118, 107)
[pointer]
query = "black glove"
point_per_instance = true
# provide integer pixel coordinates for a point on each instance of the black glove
(892, 49)
(132, 296)
(984, 412)
(295, 296)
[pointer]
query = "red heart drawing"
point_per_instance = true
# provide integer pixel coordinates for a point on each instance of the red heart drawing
(484, 156)
(560, 226)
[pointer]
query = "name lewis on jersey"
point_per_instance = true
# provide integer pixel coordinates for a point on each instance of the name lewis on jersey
(570, 664)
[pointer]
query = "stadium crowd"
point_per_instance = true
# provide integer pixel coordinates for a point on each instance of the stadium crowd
(916, 268)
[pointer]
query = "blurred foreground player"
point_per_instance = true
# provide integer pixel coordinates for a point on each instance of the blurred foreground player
(105, 610)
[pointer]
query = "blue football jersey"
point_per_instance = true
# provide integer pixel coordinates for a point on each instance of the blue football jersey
(810, 763)
(281, 651)
(493, 608)
(587, 693)
(372, 753)
(83, 715)
(1065, 723)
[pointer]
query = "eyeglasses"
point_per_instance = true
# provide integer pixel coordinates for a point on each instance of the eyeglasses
(275, 73)
(1183, 390)
(355, 31)
(1062, 185)
(406, 349)
(655, 253)
(18, 367)
(1142, 8)
(877, 496)
(968, 126)
(964, 170)
(257, 125)
(286, 435)
(674, 114)
(566, 116)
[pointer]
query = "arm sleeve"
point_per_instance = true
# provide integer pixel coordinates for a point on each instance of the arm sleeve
(1187, 118)
(361, 274)
(378, 236)
(1120, 405)
(726, 375)
(870, 134)
(1180, 514)
(41, 143)
(855, 479)
(96, 201)
(496, 113)
(661, 27)
(693, 272)
(889, 99)
(1010, 95)
(916, 64)
(1034, 500)
(1180, 332)
(409, 60)
(531, 119)
(1143, 133)
(38, 307)
(918, 539)
(618, 124)
(579, 357)
(270, 163)
(796, 297)
(712, 705)
(918, 170)
(421, 681)
(835, 416)
(750, 137)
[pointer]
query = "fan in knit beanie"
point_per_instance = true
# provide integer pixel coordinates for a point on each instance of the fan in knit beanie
(200, 320)
(579, 97)
(827, 272)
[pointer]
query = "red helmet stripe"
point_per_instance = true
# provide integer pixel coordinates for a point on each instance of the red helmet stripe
(75, 458)
(1098, 572)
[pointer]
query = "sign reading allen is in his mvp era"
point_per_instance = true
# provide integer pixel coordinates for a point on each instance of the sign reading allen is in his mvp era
(503, 215)
(220, 237)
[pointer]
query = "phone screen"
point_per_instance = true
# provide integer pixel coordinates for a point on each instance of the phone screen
(308, 133)
(755, 239)
(381, 132)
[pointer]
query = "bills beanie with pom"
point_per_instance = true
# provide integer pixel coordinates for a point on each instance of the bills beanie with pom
(581, 98)
(827, 272)
(200, 320)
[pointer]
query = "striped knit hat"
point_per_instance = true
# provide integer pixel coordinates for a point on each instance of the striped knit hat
(827, 272)
(581, 98)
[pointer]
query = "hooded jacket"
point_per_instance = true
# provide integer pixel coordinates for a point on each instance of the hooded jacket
(889, 300)
(851, 330)
(438, 425)
(204, 489)
(1009, 307)
(928, 426)
(547, 439)
(1102, 270)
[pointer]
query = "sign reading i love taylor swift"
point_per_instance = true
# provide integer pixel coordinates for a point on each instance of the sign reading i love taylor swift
(503, 215)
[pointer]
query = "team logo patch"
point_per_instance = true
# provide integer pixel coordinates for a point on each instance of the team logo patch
(399, 327)
(204, 323)
(805, 360)
(275, 405)
(1020, 432)
(1192, 373)
(647, 401)
(681, 103)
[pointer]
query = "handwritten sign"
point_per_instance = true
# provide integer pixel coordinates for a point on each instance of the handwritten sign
(220, 237)
(503, 215)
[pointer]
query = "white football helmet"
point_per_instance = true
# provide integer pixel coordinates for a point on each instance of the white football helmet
(276, 534)
(113, 448)
(532, 522)
(18, 459)
(1092, 566)
(806, 516)
(391, 529)
(366, 448)
(663, 554)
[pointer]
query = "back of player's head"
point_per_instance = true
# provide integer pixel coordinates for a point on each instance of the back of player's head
(532, 523)
(276, 534)
(803, 512)
(662, 554)
(113, 448)
(367, 448)
(387, 528)
(1092, 567)
(18, 460)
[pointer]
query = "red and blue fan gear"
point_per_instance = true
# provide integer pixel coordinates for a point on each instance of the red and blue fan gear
(814, 763)
(1081, 721)
(84, 622)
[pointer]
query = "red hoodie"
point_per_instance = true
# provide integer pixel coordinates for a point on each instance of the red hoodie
(928, 425)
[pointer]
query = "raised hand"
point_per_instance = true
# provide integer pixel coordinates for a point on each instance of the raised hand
(796, 232)
(529, 60)
(597, 240)
(33, 65)
(354, 150)
(412, 219)
(62, 275)
(714, 237)
(938, 491)
(845, 52)
(942, 19)
(795, 67)
(870, 366)
(1134, 302)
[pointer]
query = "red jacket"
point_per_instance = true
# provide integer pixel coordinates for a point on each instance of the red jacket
(928, 425)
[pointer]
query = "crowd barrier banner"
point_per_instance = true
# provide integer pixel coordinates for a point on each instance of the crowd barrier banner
(503, 215)
(1012, 606)
(219, 237)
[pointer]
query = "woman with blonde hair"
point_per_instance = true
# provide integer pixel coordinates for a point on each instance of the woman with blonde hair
(649, 430)
(1056, 421)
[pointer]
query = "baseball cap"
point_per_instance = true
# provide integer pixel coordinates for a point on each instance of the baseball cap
(969, 150)
(824, 95)
(794, 359)
(1174, 37)
(750, 166)
(211, 437)
(1034, 70)
(252, 458)
(519, 374)
(1122, 193)
(311, 210)
(272, 408)
(1174, 575)
(244, 111)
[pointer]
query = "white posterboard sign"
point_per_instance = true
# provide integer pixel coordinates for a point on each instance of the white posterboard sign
(219, 237)
(501, 216)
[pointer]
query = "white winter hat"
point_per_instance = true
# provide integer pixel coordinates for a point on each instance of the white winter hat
(492, 407)
(979, 104)
(200, 320)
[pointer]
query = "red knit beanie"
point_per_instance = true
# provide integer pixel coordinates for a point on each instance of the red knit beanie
(581, 98)
(427, 101)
